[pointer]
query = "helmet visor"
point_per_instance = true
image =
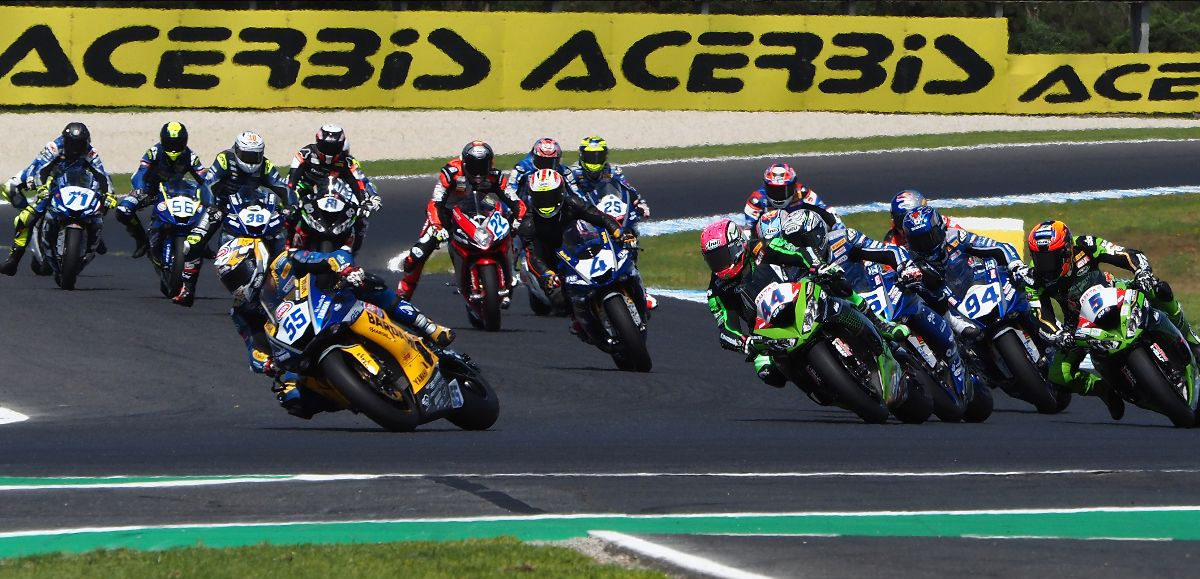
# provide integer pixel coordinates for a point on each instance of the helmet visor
(1049, 265)
(251, 158)
(780, 194)
(814, 238)
(329, 148)
(74, 148)
(174, 145)
(722, 259)
(545, 162)
(547, 202)
(926, 242)
(594, 158)
(476, 167)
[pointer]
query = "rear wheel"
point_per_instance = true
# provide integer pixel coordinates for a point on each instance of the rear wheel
(489, 280)
(72, 258)
(395, 415)
(480, 407)
(633, 354)
(1029, 381)
(1157, 390)
(844, 387)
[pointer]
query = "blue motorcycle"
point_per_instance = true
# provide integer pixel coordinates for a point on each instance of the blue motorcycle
(66, 239)
(352, 356)
(602, 281)
(1005, 355)
(176, 213)
(877, 285)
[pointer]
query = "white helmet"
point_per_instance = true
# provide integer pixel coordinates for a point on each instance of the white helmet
(248, 151)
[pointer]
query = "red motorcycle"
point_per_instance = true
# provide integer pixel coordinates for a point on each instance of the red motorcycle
(480, 246)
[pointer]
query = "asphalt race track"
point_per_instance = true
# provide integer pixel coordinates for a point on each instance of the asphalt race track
(118, 381)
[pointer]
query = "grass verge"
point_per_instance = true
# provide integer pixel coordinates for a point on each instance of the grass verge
(473, 558)
(1162, 227)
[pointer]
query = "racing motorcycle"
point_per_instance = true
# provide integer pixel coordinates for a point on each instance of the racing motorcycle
(601, 274)
(66, 239)
(1139, 352)
(479, 248)
(251, 227)
(174, 217)
(354, 357)
(878, 286)
(1005, 355)
(798, 321)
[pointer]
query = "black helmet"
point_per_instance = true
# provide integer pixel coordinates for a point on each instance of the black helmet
(77, 141)
(477, 159)
(330, 211)
(174, 139)
(331, 140)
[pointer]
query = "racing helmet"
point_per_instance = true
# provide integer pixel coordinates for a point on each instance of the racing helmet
(174, 139)
(925, 230)
(906, 201)
(331, 140)
(593, 155)
(779, 183)
(806, 229)
(478, 160)
(330, 210)
(547, 154)
(546, 191)
(249, 149)
(77, 141)
(1052, 248)
(723, 245)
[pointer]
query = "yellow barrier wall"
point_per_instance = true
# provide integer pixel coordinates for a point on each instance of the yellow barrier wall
(479, 60)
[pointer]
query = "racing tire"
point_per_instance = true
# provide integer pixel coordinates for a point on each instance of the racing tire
(944, 406)
(1033, 385)
(980, 407)
(538, 307)
(178, 258)
(480, 407)
(1157, 391)
(72, 258)
(633, 355)
(917, 408)
(1063, 397)
(844, 387)
(489, 279)
(393, 415)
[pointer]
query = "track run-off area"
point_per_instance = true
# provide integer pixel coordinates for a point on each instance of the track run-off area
(145, 428)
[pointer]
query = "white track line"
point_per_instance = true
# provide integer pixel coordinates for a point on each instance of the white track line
(8, 416)
(109, 483)
(673, 557)
(613, 516)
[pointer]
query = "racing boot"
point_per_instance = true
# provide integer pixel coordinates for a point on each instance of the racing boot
(140, 240)
(651, 301)
(441, 336)
(1112, 400)
(187, 290)
(287, 392)
(887, 328)
(14, 259)
(964, 329)
(411, 268)
(767, 372)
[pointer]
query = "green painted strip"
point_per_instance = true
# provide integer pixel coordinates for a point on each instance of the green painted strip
(24, 481)
(1174, 524)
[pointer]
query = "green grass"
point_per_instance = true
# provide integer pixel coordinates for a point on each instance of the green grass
(502, 557)
(1165, 228)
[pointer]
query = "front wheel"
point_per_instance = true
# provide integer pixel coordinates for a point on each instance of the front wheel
(632, 353)
(918, 405)
(178, 257)
(844, 387)
(537, 306)
(395, 415)
(1028, 380)
(72, 258)
(489, 280)
(1157, 391)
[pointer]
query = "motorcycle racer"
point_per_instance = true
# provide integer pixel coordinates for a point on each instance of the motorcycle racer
(546, 153)
(1065, 266)
(473, 170)
(781, 190)
(305, 257)
(330, 156)
(552, 213)
(904, 202)
(244, 165)
(72, 148)
(593, 175)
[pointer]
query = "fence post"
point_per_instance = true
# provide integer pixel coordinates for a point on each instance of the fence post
(851, 9)
(997, 9)
(1139, 21)
(704, 7)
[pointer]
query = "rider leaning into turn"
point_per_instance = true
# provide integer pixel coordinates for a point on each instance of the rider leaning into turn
(71, 148)
(781, 190)
(1064, 267)
(329, 156)
(552, 213)
(304, 257)
(167, 161)
(473, 171)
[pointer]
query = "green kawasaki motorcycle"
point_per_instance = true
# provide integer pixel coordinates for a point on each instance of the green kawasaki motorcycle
(832, 350)
(1139, 352)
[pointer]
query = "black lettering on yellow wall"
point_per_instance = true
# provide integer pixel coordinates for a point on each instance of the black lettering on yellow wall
(1163, 88)
(908, 68)
(475, 64)
(805, 46)
(979, 71)
(1065, 75)
(282, 61)
(1106, 83)
(172, 67)
(395, 67)
(584, 46)
(97, 59)
(633, 65)
(868, 66)
(702, 74)
(39, 39)
(363, 43)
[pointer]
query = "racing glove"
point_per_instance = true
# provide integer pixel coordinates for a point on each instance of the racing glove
(1064, 339)
(910, 274)
(373, 203)
(441, 234)
(550, 280)
(1145, 280)
(1020, 272)
(358, 278)
(643, 208)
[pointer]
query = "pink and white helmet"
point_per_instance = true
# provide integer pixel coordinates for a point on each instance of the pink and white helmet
(723, 245)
